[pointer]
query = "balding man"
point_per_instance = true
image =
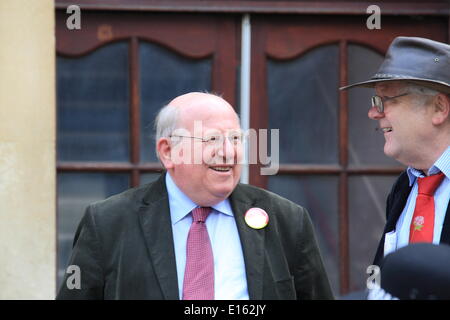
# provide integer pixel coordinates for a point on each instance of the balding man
(196, 232)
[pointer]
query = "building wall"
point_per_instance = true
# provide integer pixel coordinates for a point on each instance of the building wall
(27, 150)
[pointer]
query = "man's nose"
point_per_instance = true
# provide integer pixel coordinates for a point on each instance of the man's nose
(227, 149)
(374, 114)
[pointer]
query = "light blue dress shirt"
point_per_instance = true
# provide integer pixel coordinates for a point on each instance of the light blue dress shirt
(441, 199)
(230, 282)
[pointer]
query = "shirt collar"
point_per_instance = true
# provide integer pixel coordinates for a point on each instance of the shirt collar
(181, 205)
(442, 164)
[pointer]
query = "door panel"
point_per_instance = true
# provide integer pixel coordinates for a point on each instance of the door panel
(308, 190)
(93, 105)
(304, 89)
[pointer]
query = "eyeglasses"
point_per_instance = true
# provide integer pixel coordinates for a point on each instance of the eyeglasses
(378, 102)
(216, 140)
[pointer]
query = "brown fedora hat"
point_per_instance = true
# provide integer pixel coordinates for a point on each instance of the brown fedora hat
(417, 60)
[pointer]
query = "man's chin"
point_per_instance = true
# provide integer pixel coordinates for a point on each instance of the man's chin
(394, 154)
(213, 198)
(389, 150)
(222, 186)
(223, 192)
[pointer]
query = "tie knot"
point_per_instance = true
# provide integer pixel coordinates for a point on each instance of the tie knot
(428, 185)
(200, 214)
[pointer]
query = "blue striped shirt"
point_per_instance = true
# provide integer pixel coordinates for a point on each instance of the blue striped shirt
(441, 199)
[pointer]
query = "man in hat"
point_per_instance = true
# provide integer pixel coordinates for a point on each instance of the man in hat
(412, 107)
(196, 232)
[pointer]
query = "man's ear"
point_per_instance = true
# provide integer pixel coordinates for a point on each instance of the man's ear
(164, 150)
(441, 104)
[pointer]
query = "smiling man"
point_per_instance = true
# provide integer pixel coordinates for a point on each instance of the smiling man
(196, 232)
(412, 108)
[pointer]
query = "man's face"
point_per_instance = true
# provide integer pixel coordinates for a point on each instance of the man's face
(405, 124)
(207, 172)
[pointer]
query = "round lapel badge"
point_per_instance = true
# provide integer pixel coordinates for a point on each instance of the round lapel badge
(256, 218)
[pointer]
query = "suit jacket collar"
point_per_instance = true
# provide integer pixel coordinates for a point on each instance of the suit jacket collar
(445, 235)
(154, 216)
(252, 240)
(397, 201)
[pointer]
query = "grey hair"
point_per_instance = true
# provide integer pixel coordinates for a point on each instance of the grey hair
(165, 123)
(425, 93)
(416, 88)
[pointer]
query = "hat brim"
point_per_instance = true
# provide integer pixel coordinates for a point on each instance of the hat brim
(432, 84)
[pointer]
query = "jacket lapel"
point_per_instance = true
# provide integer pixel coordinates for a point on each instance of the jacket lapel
(399, 197)
(396, 202)
(445, 235)
(156, 225)
(252, 241)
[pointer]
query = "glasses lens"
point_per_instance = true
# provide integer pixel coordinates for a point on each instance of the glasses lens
(214, 140)
(377, 103)
(235, 138)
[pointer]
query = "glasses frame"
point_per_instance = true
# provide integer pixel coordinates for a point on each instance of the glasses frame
(208, 140)
(378, 102)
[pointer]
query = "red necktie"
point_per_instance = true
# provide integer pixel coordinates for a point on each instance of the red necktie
(199, 273)
(422, 224)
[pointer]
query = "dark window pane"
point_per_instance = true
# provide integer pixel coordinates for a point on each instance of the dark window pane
(303, 104)
(75, 192)
(165, 75)
(93, 105)
(365, 144)
(367, 216)
(309, 192)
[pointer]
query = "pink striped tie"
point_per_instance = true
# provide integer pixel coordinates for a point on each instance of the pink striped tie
(199, 273)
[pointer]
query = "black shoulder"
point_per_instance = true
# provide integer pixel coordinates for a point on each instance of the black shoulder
(402, 182)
